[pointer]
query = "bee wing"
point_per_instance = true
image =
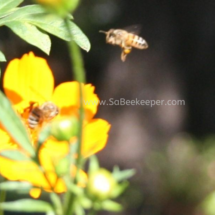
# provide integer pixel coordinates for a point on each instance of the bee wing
(135, 29)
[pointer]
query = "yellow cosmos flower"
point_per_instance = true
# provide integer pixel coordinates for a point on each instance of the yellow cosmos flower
(28, 80)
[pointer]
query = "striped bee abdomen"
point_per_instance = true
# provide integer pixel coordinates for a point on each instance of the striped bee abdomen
(34, 118)
(137, 42)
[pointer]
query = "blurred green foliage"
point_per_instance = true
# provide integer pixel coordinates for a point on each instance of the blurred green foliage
(176, 179)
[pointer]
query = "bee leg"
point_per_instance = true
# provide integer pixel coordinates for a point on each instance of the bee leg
(123, 56)
(28, 109)
(124, 53)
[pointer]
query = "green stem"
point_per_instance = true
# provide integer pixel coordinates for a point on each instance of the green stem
(2, 196)
(76, 57)
(57, 203)
(79, 76)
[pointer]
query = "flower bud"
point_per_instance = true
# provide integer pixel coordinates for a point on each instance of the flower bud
(101, 184)
(62, 167)
(61, 7)
(64, 129)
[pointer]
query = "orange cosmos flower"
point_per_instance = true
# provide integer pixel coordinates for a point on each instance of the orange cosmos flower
(28, 80)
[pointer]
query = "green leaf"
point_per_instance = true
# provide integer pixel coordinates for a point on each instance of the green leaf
(3, 15)
(14, 185)
(49, 23)
(94, 164)
(79, 210)
(13, 124)
(9, 4)
(122, 175)
(85, 202)
(31, 34)
(20, 13)
(50, 213)
(2, 57)
(119, 189)
(79, 37)
(27, 205)
(43, 135)
(36, 15)
(56, 26)
(72, 187)
(111, 206)
(55, 198)
(14, 155)
(2, 195)
(70, 16)
(23, 12)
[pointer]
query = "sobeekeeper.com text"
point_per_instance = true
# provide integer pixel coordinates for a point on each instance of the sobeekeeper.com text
(135, 102)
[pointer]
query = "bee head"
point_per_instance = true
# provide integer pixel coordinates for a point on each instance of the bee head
(50, 110)
(110, 36)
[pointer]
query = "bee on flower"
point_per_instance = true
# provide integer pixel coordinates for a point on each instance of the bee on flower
(24, 81)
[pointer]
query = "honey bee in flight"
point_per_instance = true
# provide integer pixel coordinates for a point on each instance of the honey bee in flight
(126, 40)
(40, 114)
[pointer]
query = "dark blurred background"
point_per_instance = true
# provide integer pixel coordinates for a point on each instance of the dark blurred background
(171, 147)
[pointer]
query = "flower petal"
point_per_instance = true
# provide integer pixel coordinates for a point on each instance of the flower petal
(35, 193)
(23, 171)
(95, 136)
(6, 141)
(66, 97)
(28, 78)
